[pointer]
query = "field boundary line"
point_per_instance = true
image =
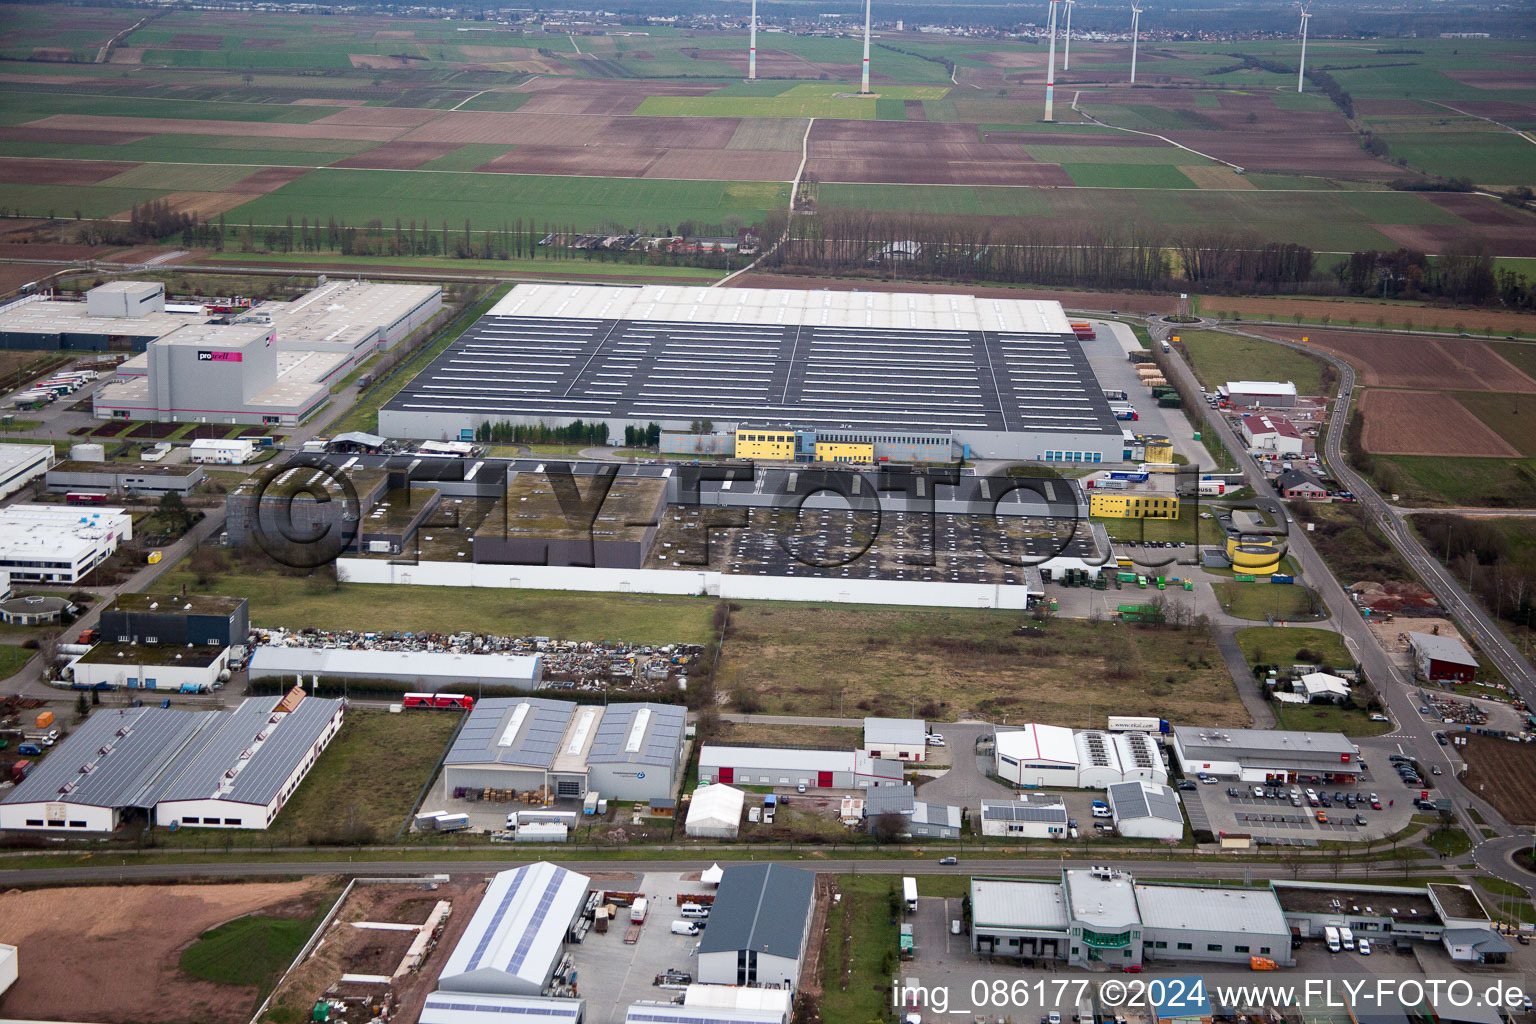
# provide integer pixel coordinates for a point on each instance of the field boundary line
(794, 189)
(1164, 138)
(466, 99)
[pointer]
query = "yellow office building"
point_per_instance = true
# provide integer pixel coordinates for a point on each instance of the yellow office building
(1133, 505)
(765, 443)
(844, 451)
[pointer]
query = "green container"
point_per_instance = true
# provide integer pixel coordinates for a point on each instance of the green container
(1243, 578)
(1189, 584)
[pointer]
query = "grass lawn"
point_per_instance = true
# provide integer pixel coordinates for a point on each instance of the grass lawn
(12, 657)
(253, 950)
(1280, 644)
(1259, 600)
(1452, 841)
(1327, 718)
(574, 268)
(938, 663)
(1508, 901)
(862, 923)
(1433, 480)
(1219, 358)
(295, 602)
(1189, 527)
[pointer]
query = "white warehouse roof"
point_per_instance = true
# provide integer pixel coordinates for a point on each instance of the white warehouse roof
(716, 755)
(472, 1008)
(1212, 910)
(1261, 387)
(716, 807)
(905, 732)
(1017, 903)
(517, 935)
(1036, 742)
(445, 667)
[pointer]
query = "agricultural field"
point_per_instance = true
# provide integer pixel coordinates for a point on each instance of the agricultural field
(1425, 363)
(1500, 771)
(1504, 415)
(1379, 313)
(900, 661)
(1432, 481)
(1218, 358)
(1395, 421)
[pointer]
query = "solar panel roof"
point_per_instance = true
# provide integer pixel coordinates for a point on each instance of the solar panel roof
(1135, 800)
(488, 735)
(660, 738)
(839, 363)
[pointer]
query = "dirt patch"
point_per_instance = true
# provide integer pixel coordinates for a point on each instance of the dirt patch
(615, 162)
(594, 132)
(1010, 59)
(1500, 772)
(28, 133)
(268, 180)
(1398, 598)
(1440, 238)
(1327, 154)
(384, 117)
(1426, 423)
(184, 126)
(90, 957)
(377, 61)
(915, 111)
(204, 205)
(53, 54)
(30, 171)
(973, 163)
(1115, 141)
(1492, 78)
(154, 430)
(1214, 176)
(398, 156)
(725, 165)
(1431, 364)
(598, 96)
(779, 64)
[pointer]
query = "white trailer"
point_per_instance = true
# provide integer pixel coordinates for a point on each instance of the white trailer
(1134, 723)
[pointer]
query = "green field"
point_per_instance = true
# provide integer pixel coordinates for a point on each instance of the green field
(180, 177)
(1432, 481)
(1262, 600)
(18, 106)
(1512, 417)
(1189, 527)
(70, 200)
(200, 149)
(1219, 357)
(1327, 718)
(254, 950)
(491, 199)
(1126, 176)
(467, 157)
(1282, 645)
(799, 101)
(12, 657)
(1491, 157)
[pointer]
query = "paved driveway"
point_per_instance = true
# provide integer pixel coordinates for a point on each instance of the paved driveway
(966, 783)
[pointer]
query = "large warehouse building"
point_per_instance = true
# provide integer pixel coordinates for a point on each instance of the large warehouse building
(630, 751)
(758, 927)
(421, 670)
(811, 767)
(1046, 756)
(878, 371)
(201, 768)
(517, 936)
(1266, 755)
(59, 544)
(1099, 917)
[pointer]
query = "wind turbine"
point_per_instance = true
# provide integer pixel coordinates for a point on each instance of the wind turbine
(752, 46)
(1301, 73)
(1066, 58)
(864, 88)
(1135, 37)
(1050, 65)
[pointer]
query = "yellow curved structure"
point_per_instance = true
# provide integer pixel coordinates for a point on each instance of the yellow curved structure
(1256, 555)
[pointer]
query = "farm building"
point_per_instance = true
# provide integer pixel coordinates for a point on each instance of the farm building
(188, 619)
(221, 769)
(59, 544)
(20, 464)
(627, 751)
(758, 927)
(1100, 916)
(179, 668)
(1271, 394)
(123, 478)
(420, 670)
(1265, 755)
(715, 812)
(479, 1008)
(1038, 817)
(921, 818)
(997, 378)
(516, 938)
(814, 768)
(1442, 658)
(1145, 810)
(1270, 432)
(1298, 485)
(896, 739)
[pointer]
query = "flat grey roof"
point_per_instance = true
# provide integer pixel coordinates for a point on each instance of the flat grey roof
(1103, 902)
(885, 799)
(1018, 903)
(762, 907)
(908, 732)
(1220, 744)
(1442, 648)
(275, 749)
(1190, 908)
(878, 362)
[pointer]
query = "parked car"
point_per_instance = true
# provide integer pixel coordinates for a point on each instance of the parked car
(1363, 947)
(1322, 817)
(949, 860)
(1378, 717)
(1186, 784)
(1359, 819)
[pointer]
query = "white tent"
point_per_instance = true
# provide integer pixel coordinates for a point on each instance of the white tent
(712, 875)
(715, 812)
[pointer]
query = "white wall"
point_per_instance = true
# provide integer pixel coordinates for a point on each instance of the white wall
(1022, 829)
(249, 815)
(9, 970)
(1150, 828)
(166, 677)
(97, 819)
(684, 583)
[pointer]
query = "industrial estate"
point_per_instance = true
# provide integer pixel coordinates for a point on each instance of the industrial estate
(745, 514)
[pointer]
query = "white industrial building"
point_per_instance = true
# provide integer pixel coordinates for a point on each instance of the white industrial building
(1255, 393)
(1038, 817)
(59, 543)
(20, 464)
(1100, 917)
(517, 936)
(1145, 810)
(1052, 756)
(716, 1004)
(758, 927)
(920, 819)
(629, 751)
(186, 768)
(131, 666)
(1265, 755)
(1270, 432)
(896, 739)
(10, 967)
(421, 670)
(125, 299)
(813, 768)
(222, 452)
(714, 812)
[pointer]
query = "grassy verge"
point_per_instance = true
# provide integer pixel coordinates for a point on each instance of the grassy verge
(12, 657)
(1452, 841)
(1189, 528)
(860, 951)
(296, 601)
(1258, 601)
(1281, 645)
(1327, 718)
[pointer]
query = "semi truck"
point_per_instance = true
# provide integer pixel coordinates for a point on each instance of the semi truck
(909, 891)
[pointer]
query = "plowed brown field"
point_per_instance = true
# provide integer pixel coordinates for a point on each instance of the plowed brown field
(398, 156)
(37, 171)
(1403, 361)
(1426, 423)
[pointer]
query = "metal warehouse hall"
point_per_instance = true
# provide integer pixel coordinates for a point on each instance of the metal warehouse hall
(1004, 378)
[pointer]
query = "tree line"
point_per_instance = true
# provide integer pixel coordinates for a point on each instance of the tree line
(1462, 277)
(576, 432)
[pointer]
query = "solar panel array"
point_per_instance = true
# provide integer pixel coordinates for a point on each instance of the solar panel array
(874, 378)
(1133, 800)
(534, 745)
(1005, 810)
(458, 1007)
(659, 746)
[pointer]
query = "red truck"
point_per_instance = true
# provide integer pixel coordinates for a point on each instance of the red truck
(88, 636)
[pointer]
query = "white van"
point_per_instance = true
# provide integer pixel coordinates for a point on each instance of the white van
(694, 910)
(684, 928)
(1346, 938)
(1331, 936)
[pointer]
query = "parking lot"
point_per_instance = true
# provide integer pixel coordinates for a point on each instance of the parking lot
(1233, 807)
(611, 974)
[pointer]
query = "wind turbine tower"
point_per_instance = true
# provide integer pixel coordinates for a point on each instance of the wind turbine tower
(864, 87)
(1301, 73)
(1135, 38)
(1066, 57)
(752, 46)
(1050, 66)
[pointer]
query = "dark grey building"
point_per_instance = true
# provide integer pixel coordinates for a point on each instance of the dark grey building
(758, 927)
(169, 619)
(123, 478)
